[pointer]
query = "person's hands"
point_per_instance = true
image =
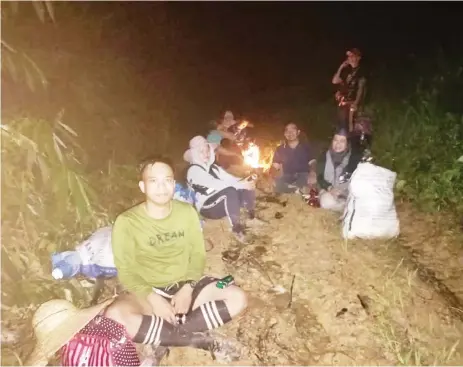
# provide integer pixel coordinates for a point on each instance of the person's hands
(344, 64)
(353, 106)
(277, 166)
(312, 179)
(162, 308)
(181, 301)
(248, 185)
(335, 192)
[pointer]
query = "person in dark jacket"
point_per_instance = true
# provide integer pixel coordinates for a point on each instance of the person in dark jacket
(333, 167)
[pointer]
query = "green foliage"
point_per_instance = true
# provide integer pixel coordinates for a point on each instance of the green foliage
(18, 64)
(41, 173)
(423, 143)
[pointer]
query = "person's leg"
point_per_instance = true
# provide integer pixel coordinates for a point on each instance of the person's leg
(146, 328)
(248, 201)
(284, 184)
(301, 179)
(225, 203)
(343, 117)
(213, 307)
(329, 202)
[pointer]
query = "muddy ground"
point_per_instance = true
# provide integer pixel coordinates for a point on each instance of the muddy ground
(316, 300)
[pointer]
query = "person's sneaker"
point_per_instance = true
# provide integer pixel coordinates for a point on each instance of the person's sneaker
(240, 237)
(255, 223)
(225, 350)
(152, 355)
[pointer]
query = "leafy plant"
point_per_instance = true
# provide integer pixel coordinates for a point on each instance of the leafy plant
(423, 143)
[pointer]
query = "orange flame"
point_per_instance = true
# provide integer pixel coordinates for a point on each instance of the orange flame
(252, 158)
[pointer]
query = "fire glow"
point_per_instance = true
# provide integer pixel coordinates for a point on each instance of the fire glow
(252, 157)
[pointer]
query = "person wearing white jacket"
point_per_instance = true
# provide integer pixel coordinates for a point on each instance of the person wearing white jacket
(218, 193)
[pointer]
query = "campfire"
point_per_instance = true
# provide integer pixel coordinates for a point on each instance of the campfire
(252, 158)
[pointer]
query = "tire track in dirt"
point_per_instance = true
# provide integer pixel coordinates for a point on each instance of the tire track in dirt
(435, 243)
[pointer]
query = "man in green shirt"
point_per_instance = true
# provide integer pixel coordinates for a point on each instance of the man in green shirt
(160, 256)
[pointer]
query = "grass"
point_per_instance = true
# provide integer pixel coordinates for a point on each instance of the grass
(64, 177)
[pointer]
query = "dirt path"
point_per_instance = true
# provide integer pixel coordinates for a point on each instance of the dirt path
(403, 320)
(353, 303)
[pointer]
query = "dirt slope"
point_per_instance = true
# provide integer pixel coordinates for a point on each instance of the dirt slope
(356, 303)
(403, 320)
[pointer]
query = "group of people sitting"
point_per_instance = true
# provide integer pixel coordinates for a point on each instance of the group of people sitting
(159, 252)
(295, 168)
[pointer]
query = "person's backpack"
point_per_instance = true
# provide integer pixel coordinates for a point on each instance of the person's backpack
(202, 189)
(95, 346)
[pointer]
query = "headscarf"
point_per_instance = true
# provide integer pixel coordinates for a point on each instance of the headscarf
(192, 155)
(338, 157)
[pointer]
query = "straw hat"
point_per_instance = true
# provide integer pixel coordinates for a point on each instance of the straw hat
(55, 323)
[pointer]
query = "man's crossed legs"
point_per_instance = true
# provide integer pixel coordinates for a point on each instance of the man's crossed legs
(286, 183)
(211, 308)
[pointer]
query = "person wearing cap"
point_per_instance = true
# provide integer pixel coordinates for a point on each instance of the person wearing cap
(294, 161)
(352, 86)
(60, 327)
(338, 161)
(159, 252)
(218, 193)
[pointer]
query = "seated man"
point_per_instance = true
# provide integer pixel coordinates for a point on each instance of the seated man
(159, 253)
(218, 193)
(61, 327)
(337, 161)
(296, 161)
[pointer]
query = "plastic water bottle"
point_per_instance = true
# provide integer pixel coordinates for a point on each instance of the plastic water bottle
(65, 264)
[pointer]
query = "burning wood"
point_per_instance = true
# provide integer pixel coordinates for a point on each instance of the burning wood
(252, 158)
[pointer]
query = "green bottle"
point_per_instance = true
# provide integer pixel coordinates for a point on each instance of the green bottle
(225, 282)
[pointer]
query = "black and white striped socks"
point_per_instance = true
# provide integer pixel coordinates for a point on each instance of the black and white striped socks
(208, 316)
(150, 330)
(155, 331)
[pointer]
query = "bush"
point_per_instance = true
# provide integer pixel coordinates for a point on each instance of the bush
(423, 143)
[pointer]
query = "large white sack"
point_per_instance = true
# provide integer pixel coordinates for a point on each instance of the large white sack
(370, 210)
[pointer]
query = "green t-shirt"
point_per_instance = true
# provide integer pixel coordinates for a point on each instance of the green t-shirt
(158, 252)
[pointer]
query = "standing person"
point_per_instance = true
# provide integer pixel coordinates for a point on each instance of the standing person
(159, 253)
(295, 162)
(351, 80)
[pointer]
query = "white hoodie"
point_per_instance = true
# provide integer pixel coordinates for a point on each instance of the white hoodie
(203, 182)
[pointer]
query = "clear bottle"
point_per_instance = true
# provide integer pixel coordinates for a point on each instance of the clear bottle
(65, 264)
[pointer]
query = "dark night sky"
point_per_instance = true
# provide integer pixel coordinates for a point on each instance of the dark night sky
(256, 55)
(230, 51)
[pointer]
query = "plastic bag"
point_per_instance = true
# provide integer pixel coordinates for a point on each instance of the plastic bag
(97, 254)
(370, 210)
(93, 258)
(185, 194)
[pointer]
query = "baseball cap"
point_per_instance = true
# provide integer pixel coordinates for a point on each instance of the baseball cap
(354, 51)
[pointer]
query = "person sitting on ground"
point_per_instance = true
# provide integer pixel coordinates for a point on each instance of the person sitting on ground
(227, 152)
(159, 252)
(295, 163)
(218, 193)
(61, 327)
(338, 161)
(240, 132)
